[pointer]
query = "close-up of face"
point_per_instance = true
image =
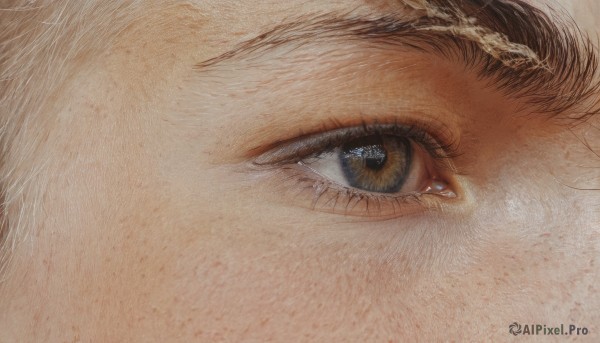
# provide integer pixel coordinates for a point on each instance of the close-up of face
(319, 171)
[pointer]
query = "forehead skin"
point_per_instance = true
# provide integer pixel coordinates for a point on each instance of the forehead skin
(152, 230)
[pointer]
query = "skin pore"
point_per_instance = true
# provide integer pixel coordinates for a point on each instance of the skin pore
(157, 226)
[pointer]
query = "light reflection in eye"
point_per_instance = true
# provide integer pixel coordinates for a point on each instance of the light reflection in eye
(379, 164)
(376, 163)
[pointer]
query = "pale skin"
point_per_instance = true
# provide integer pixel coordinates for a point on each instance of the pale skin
(156, 229)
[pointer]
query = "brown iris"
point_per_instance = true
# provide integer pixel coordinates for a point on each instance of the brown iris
(378, 163)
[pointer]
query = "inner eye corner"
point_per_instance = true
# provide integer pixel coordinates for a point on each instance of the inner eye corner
(442, 181)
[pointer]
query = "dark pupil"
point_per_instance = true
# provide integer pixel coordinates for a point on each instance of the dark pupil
(376, 163)
(374, 156)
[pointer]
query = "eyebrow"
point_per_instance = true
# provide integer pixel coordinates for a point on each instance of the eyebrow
(564, 84)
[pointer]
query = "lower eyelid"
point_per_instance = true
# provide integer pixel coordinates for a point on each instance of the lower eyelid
(310, 190)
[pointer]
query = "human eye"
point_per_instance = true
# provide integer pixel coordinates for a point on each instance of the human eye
(370, 169)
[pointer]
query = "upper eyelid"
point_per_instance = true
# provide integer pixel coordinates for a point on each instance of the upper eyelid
(300, 148)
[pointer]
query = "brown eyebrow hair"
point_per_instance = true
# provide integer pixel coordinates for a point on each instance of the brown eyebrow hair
(558, 78)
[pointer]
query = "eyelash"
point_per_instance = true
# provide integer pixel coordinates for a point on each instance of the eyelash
(289, 155)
